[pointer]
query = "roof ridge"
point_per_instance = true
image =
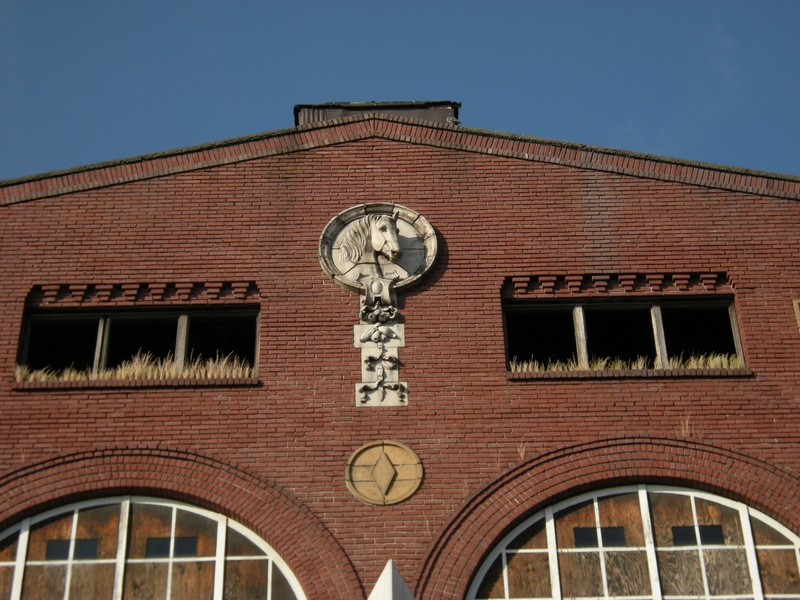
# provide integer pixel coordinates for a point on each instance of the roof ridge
(576, 154)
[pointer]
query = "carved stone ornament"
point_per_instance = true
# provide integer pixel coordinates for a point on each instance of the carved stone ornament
(375, 250)
(383, 473)
(384, 242)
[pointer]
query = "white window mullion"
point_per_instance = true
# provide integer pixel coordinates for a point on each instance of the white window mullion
(270, 566)
(171, 552)
(504, 571)
(122, 544)
(700, 548)
(750, 549)
(71, 553)
(600, 547)
(19, 564)
(649, 544)
(219, 561)
(552, 553)
(797, 557)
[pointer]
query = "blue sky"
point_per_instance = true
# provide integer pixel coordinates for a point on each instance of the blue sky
(710, 80)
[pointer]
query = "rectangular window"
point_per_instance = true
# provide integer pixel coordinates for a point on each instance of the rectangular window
(602, 335)
(206, 343)
(545, 334)
(60, 342)
(622, 334)
(129, 335)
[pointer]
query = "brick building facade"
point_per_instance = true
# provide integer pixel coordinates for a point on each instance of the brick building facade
(546, 367)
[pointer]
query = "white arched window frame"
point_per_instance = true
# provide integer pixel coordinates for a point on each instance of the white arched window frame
(17, 538)
(550, 557)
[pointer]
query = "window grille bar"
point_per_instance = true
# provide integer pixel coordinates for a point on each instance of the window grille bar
(122, 544)
(219, 564)
(662, 358)
(71, 553)
(750, 550)
(19, 567)
(504, 562)
(269, 580)
(171, 552)
(700, 552)
(99, 346)
(580, 337)
(601, 551)
(649, 544)
(180, 340)
(103, 345)
(552, 553)
(737, 340)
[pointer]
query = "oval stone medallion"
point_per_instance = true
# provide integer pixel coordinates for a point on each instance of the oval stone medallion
(383, 473)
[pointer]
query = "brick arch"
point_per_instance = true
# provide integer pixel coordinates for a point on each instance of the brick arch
(480, 524)
(296, 534)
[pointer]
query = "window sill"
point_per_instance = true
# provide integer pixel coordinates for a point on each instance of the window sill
(138, 383)
(631, 374)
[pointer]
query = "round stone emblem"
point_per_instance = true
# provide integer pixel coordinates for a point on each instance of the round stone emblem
(370, 242)
(383, 473)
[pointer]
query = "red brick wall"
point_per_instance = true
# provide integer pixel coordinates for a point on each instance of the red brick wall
(473, 428)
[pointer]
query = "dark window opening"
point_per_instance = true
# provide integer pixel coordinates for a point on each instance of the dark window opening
(613, 537)
(55, 342)
(683, 536)
(213, 336)
(585, 537)
(61, 343)
(543, 335)
(157, 548)
(129, 336)
(711, 535)
(185, 546)
(57, 550)
(86, 549)
(7, 543)
(619, 333)
(695, 330)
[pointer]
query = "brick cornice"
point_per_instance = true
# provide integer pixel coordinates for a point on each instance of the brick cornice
(458, 551)
(399, 129)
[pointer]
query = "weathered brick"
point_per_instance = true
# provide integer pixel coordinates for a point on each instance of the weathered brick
(240, 222)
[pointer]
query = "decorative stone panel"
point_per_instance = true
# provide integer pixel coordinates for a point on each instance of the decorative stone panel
(374, 250)
(383, 473)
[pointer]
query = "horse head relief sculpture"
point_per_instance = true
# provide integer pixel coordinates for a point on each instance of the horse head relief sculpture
(375, 250)
(369, 237)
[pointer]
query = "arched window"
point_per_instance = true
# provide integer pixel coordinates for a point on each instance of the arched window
(643, 542)
(135, 547)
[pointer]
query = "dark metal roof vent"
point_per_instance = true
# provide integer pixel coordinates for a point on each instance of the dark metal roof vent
(438, 111)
